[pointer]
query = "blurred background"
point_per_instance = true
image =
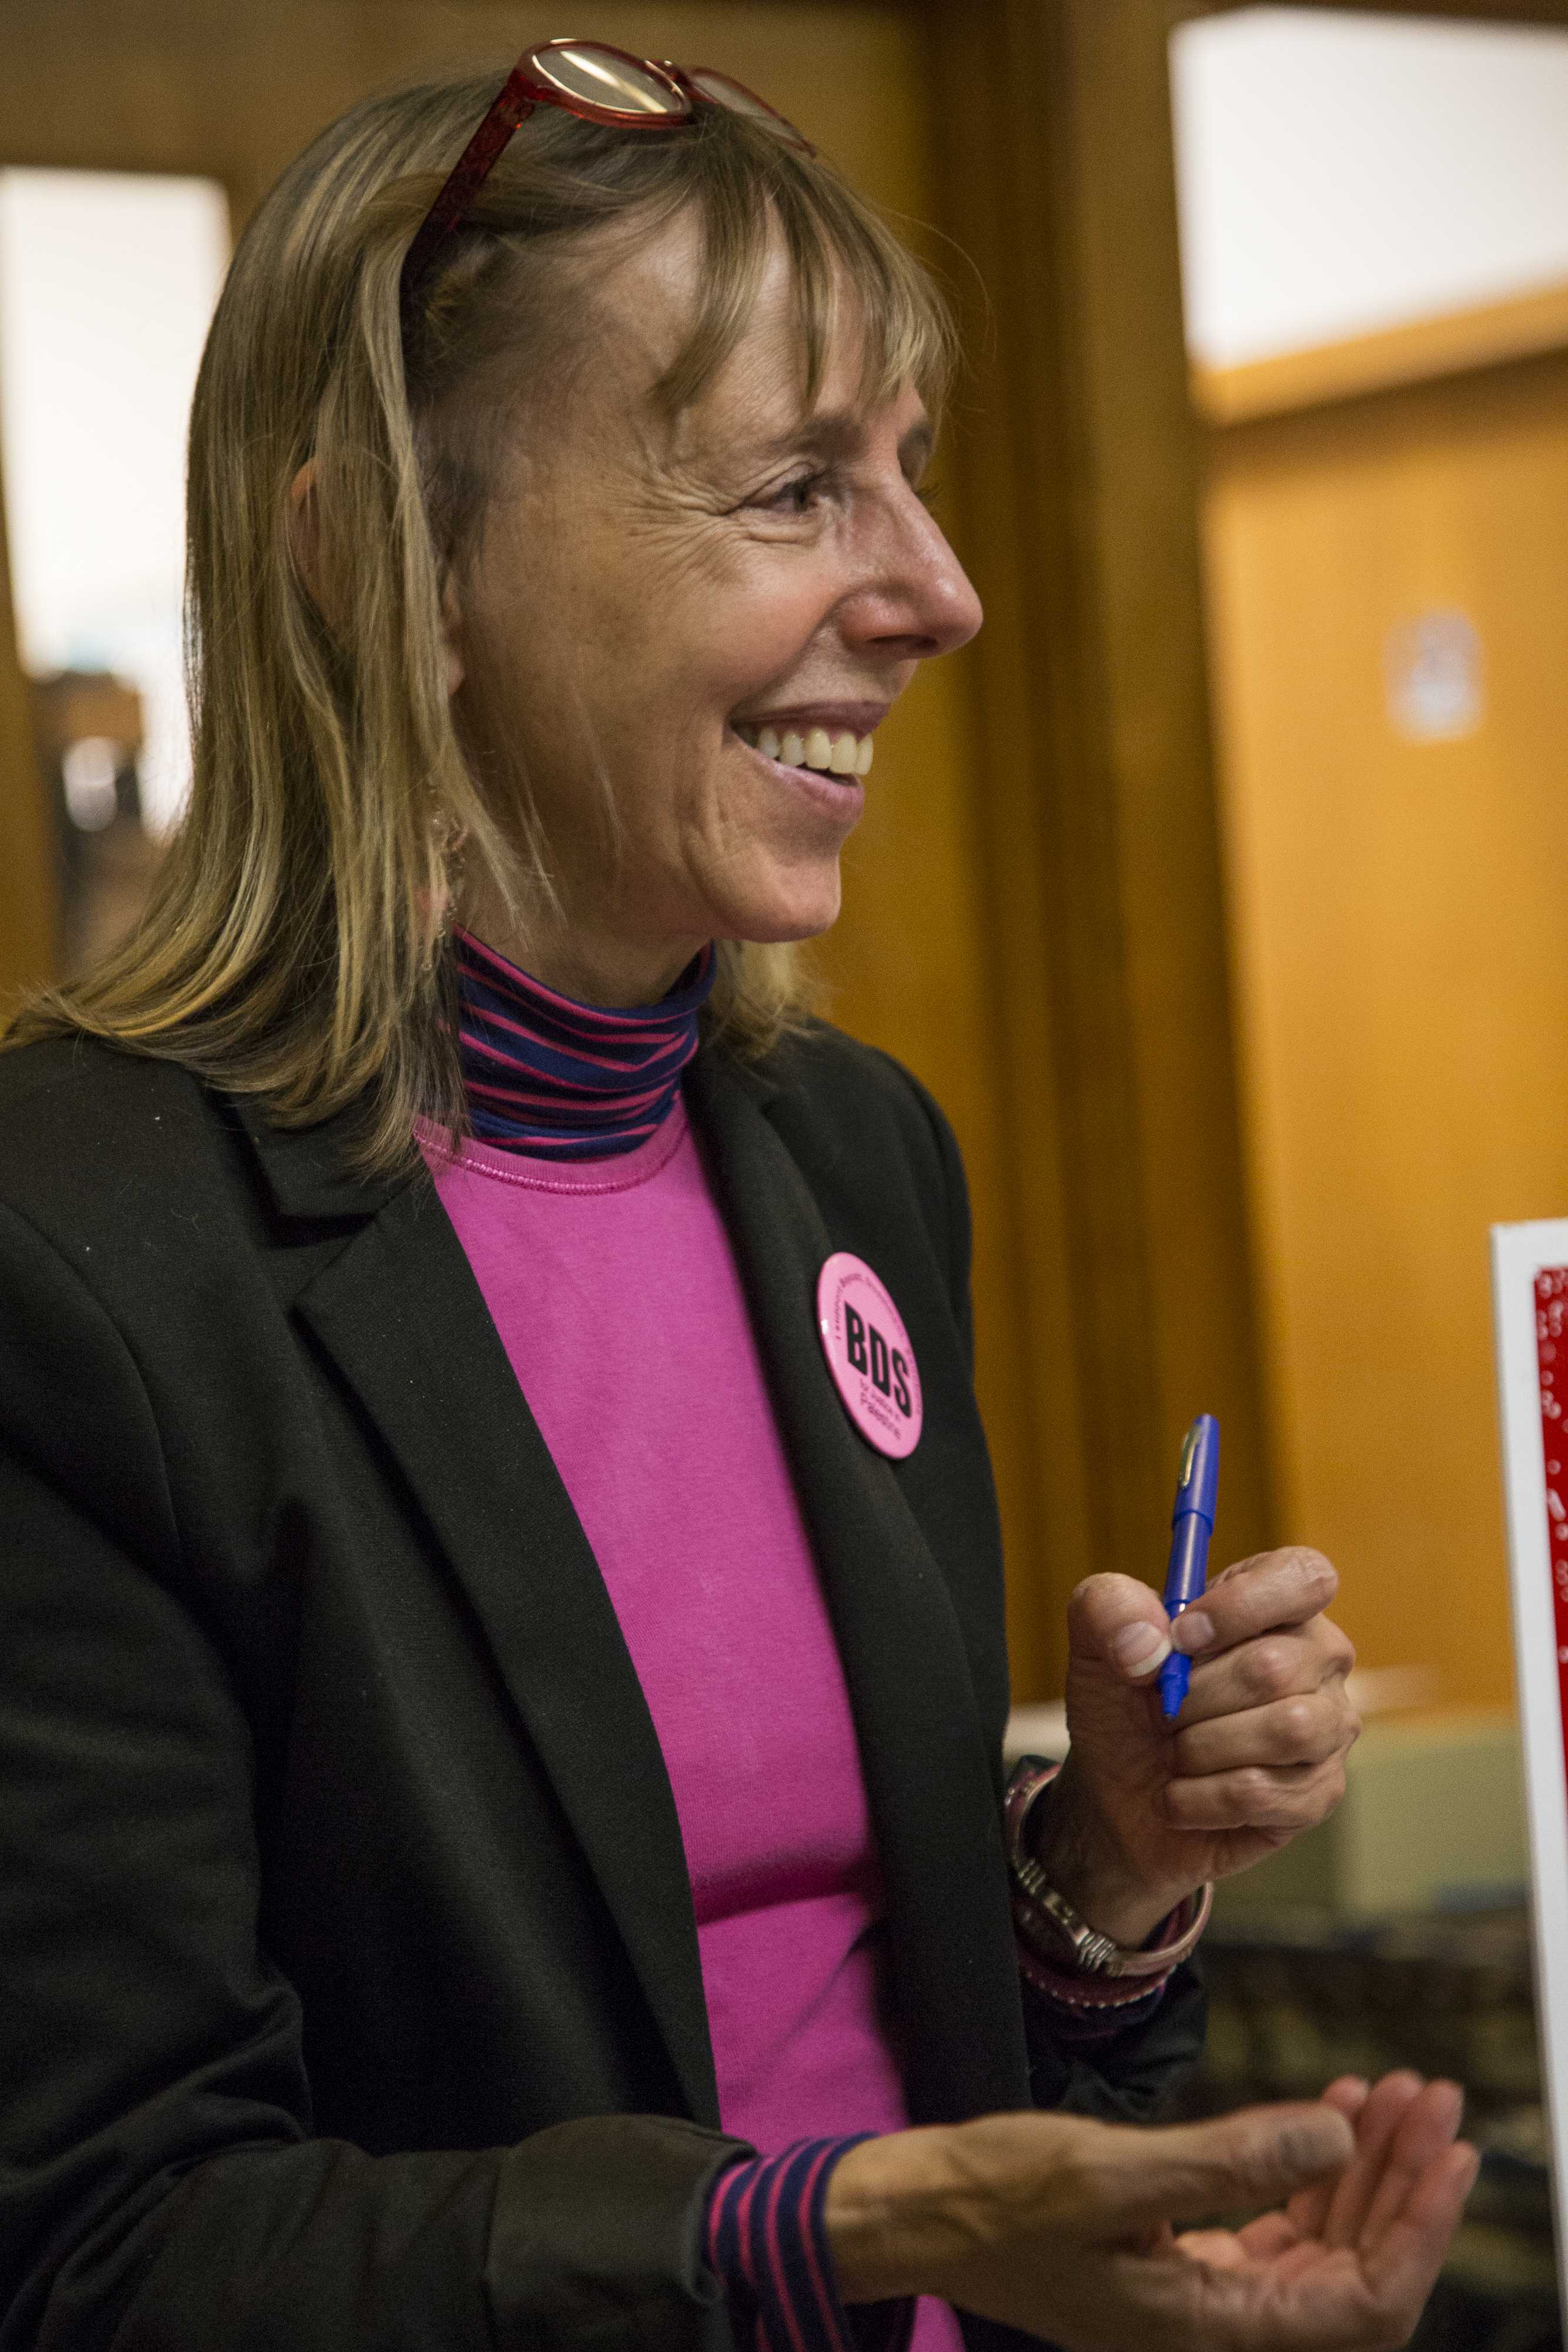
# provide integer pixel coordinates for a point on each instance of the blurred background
(1218, 892)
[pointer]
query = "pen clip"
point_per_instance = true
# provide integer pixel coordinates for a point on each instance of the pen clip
(1188, 1454)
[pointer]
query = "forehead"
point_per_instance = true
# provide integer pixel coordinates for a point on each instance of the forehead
(648, 302)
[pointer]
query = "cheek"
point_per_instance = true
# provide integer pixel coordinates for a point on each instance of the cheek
(751, 615)
(752, 631)
(653, 646)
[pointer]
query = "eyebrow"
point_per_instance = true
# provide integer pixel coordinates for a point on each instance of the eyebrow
(841, 433)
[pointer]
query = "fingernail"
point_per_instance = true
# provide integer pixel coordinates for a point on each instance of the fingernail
(1138, 1649)
(1192, 1630)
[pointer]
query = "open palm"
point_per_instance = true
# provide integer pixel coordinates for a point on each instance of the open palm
(1354, 2254)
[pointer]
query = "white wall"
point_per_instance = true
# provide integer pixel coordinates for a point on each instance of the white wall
(106, 285)
(1340, 173)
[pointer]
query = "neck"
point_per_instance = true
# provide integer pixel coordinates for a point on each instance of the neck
(547, 1074)
(590, 964)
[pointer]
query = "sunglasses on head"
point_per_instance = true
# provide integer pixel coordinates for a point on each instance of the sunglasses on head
(598, 84)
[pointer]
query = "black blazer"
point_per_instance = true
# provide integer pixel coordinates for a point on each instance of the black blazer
(350, 1992)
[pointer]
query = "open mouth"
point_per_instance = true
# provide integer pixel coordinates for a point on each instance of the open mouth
(835, 755)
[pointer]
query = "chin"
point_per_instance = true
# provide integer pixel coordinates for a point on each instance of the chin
(798, 908)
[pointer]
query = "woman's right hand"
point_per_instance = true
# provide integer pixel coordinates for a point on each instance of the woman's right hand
(1062, 2227)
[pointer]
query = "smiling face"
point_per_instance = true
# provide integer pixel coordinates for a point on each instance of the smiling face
(684, 631)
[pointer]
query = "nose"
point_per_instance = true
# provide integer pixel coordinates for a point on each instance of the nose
(916, 598)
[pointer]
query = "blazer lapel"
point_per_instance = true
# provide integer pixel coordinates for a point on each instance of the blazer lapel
(400, 1314)
(928, 1776)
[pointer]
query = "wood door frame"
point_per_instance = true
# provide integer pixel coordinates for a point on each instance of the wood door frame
(1097, 801)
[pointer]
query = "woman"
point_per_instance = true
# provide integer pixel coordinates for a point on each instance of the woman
(501, 1711)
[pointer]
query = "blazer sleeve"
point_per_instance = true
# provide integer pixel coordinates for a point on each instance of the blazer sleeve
(160, 2184)
(1129, 2077)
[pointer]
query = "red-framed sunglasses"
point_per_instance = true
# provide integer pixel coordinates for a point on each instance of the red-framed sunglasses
(599, 84)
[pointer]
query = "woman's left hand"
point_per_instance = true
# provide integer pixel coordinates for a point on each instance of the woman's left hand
(1144, 1811)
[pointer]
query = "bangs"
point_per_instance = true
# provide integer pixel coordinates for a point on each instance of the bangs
(851, 273)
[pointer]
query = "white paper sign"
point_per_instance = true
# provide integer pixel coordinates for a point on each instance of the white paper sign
(1529, 1300)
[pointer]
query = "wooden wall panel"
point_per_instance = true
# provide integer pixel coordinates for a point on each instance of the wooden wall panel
(200, 86)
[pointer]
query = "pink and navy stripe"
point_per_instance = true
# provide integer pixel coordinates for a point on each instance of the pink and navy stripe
(566, 1081)
(767, 2241)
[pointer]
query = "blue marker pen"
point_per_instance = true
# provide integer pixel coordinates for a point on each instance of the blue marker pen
(1192, 1524)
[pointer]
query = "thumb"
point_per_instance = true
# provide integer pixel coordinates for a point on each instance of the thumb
(1116, 1622)
(1191, 2172)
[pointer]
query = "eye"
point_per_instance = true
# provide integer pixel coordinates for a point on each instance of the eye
(798, 496)
(927, 492)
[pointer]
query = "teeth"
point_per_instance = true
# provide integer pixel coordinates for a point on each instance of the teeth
(843, 755)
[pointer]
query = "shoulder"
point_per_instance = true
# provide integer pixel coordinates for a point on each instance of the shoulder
(72, 1105)
(97, 1144)
(865, 1132)
(861, 1096)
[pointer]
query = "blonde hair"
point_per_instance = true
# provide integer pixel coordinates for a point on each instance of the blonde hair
(293, 948)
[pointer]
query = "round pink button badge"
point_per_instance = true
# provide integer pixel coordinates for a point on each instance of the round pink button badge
(869, 1355)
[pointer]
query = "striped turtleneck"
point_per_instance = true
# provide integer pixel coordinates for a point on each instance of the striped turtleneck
(561, 1080)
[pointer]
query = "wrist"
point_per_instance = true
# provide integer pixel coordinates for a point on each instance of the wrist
(885, 2215)
(1087, 1865)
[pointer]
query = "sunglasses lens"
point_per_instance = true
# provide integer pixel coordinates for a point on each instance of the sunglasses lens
(741, 100)
(598, 78)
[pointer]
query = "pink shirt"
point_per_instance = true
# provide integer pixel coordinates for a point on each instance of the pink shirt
(614, 1290)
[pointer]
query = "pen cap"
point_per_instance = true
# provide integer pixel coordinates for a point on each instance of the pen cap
(1197, 1483)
